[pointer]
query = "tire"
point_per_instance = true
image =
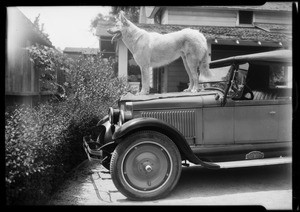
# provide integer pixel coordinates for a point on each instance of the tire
(145, 166)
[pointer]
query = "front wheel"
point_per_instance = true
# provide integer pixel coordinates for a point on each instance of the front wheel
(145, 166)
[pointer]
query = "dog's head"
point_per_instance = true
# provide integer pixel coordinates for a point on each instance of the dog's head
(120, 26)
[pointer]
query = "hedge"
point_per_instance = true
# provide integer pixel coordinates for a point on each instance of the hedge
(44, 143)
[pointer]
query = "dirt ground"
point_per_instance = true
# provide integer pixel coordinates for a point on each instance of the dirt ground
(270, 187)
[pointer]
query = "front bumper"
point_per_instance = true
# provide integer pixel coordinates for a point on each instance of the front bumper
(92, 149)
(94, 144)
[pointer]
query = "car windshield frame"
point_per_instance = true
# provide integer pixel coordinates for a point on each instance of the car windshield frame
(233, 70)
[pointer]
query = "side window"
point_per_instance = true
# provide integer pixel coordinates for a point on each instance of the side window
(280, 81)
(280, 77)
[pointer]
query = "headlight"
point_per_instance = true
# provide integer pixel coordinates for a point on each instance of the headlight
(121, 117)
(125, 112)
(113, 115)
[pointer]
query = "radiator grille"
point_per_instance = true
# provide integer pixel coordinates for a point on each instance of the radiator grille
(183, 120)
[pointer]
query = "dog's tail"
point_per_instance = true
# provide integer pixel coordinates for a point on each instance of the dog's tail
(205, 72)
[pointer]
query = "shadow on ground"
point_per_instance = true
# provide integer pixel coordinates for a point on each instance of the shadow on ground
(91, 184)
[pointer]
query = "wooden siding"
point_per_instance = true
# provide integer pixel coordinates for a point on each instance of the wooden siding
(197, 16)
(273, 17)
(20, 76)
(176, 74)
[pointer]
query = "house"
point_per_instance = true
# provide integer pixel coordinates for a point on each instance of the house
(229, 30)
(22, 84)
(74, 52)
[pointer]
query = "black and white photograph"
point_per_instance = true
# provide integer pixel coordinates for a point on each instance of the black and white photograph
(150, 105)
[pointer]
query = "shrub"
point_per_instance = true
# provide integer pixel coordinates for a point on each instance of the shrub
(44, 143)
(33, 152)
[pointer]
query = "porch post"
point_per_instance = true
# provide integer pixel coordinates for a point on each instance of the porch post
(209, 51)
(122, 60)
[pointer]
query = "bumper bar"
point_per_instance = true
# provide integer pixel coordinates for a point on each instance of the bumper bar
(92, 149)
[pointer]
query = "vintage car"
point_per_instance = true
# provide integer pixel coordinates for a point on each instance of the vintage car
(244, 118)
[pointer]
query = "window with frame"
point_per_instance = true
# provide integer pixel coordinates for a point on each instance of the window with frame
(245, 17)
(107, 49)
(280, 76)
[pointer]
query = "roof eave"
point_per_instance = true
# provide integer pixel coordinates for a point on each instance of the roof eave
(43, 39)
(280, 37)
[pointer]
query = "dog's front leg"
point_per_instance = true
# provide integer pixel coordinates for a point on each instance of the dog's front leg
(145, 72)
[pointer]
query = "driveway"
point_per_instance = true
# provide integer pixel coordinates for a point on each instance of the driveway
(269, 186)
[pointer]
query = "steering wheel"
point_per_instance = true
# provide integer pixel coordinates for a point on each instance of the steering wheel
(214, 88)
(246, 91)
(243, 96)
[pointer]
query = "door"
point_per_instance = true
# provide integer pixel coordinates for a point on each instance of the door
(218, 125)
(255, 121)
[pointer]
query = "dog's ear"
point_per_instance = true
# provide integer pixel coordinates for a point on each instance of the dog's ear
(122, 18)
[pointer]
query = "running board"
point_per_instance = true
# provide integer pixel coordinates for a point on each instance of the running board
(255, 162)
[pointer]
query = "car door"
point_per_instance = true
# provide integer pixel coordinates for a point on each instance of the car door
(218, 123)
(256, 121)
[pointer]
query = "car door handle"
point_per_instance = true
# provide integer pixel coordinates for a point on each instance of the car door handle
(272, 112)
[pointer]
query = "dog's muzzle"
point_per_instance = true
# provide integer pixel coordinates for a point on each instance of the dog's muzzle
(117, 34)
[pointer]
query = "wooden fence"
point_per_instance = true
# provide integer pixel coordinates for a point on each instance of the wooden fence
(22, 84)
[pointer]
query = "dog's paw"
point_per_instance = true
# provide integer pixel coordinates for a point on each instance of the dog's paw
(142, 93)
(187, 90)
(195, 90)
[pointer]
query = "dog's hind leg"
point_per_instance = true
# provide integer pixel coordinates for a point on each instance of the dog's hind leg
(189, 74)
(193, 64)
(205, 73)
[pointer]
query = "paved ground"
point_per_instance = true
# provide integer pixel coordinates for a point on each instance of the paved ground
(269, 186)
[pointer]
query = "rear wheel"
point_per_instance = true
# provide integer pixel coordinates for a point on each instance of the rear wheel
(145, 166)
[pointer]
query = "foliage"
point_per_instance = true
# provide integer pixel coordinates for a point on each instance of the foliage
(34, 152)
(44, 143)
(49, 62)
(39, 26)
(101, 18)
(132, 13)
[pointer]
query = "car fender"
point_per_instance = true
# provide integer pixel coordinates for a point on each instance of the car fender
(138, 124)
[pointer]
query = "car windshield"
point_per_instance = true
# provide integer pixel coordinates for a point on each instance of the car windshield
(220, 76)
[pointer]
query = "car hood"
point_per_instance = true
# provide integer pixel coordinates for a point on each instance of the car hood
(177, 100)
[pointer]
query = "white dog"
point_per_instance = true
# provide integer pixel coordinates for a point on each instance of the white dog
(151, 49)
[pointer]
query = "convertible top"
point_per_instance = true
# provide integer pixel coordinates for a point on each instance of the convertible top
(278, 56)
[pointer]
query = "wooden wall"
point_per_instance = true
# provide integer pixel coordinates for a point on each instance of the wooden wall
(20, 76)
(198, 16)
(212, 17)
(272, 18)
(176, 74)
